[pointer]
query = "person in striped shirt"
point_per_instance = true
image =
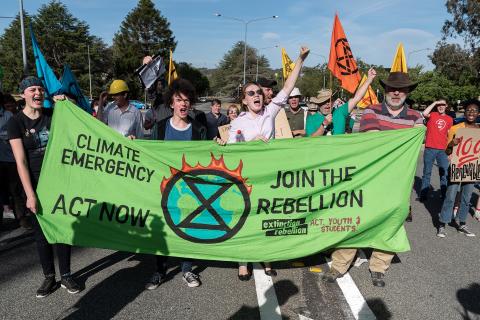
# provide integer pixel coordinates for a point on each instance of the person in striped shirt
(392, 114)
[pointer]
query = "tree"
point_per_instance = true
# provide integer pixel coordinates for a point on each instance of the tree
(229, 74)
(143, 32)
(465, 21)
(199, 81)
(64, 39)
(454, 62)
(11, 57)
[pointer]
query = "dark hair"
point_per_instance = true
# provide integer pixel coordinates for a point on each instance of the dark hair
(8, 98)
(216, 101)
(470, 102)
(180, 86)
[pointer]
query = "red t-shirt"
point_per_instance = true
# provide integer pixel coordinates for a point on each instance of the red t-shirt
(437, 130)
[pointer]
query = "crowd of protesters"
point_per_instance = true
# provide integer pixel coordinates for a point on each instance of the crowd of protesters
(24, 135)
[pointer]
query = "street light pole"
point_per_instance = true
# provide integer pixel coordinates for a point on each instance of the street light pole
(246, 23)
(24, 51)
(89, 71)
(256, 74)
(325, 63)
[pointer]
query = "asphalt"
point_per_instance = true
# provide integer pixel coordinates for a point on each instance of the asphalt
(437, 279)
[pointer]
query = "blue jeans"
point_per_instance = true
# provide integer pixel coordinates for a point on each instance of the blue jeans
(446, 214)
(185, 264)
(429, 157)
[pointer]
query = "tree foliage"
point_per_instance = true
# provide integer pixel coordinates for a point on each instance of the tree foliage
(63, 39)
(143, 32)
(465, 21)
(199, 81)
(229, 74)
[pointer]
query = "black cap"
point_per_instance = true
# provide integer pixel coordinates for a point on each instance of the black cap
(264, 82)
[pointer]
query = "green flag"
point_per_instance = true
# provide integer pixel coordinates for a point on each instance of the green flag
(242, 202)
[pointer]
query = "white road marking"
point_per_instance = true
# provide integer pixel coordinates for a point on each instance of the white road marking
(358, 305)
(266, 296)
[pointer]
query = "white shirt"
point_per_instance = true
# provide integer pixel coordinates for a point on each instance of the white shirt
(263, 124)
(128, 122)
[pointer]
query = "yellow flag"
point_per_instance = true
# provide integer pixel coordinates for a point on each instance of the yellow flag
(287, 64)
(172, 72)
(369, 98)
(399, 62)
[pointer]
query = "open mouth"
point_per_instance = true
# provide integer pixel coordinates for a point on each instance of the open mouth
(37, 99)
(183, 111)
(257, 102)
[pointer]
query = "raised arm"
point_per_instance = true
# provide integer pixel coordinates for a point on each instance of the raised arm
(426, 112)
(292, 78)
(361, 90)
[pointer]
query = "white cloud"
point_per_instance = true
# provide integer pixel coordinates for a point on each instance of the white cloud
(270, 36)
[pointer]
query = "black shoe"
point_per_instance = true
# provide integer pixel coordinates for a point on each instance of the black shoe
(48, 286)
(156, 280)
(331, 276)
(244, 277)
(271, 273)
(409, 217)
(70, 284)
(377, 279)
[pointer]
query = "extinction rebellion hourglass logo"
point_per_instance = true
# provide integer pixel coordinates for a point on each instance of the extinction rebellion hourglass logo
(206, 204)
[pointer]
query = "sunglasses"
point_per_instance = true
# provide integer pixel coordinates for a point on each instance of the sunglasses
(251, 93)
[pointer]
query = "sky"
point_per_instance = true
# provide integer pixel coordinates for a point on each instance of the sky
(373, 27)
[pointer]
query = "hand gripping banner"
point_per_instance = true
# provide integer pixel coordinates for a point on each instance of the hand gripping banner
(251, 201)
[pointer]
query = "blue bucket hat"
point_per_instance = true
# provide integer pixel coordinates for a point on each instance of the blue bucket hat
(29, 82)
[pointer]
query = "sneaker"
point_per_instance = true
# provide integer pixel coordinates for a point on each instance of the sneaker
(377, 279)
(48, 286)
(191, 279)
(463, 229)
(8, 214)
(331, 275)
(156, 280)
(70, 284)
(441, 232)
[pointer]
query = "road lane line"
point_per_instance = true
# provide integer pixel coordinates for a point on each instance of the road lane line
(358, 305)
(266, 296)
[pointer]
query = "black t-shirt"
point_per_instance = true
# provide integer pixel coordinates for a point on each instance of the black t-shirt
(213, 123)
(34, 135)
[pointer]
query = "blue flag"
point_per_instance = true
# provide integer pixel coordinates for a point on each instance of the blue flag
(45, 73)
(70, 87)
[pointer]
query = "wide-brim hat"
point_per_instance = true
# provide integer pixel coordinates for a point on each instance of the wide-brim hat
(398, 80)
(322, 96)
(295, 93)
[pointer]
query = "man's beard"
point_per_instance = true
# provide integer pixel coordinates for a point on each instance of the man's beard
(395, 106)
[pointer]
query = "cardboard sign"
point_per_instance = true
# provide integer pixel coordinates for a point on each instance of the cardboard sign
(465, 165)
(223, 132)
(282, 127)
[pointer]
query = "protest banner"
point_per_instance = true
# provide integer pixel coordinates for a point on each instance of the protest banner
(465, 166)
(252, 201)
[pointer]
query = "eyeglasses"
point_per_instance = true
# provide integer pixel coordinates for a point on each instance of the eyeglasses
(232, 112)
(251, 93)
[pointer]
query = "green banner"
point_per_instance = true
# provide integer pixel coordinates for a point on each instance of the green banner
(243, 202)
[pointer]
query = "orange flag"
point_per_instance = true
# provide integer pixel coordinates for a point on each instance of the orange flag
(369, 98)
(341, 62)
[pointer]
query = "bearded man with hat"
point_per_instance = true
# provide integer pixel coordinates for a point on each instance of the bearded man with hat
(329, 121)
(120, 115)
(392, 114)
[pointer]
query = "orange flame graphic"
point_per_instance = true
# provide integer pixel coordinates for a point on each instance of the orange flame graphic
(217, 164)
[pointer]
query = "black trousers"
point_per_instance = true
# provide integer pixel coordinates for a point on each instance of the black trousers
(45, 252)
